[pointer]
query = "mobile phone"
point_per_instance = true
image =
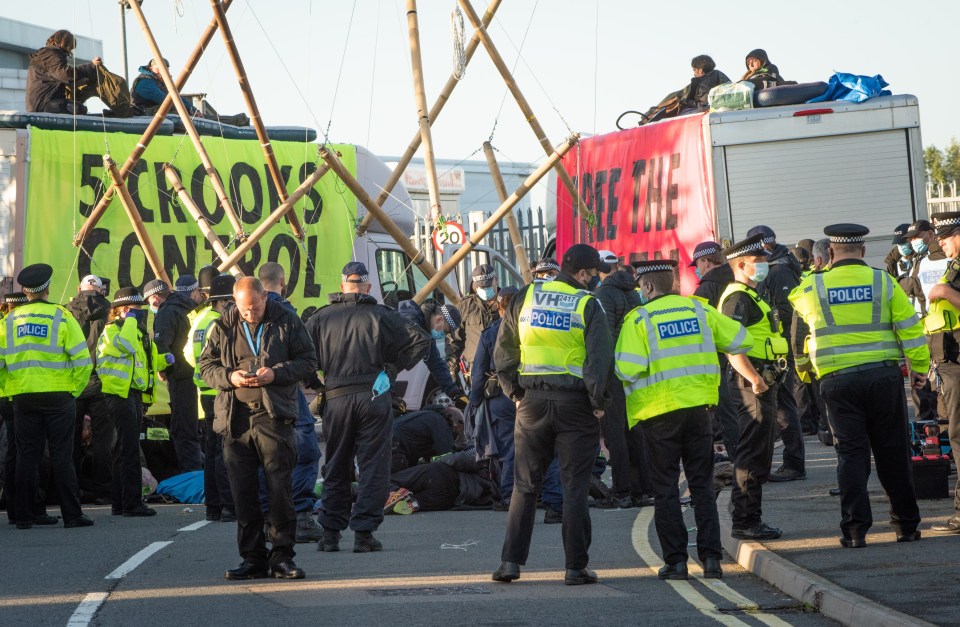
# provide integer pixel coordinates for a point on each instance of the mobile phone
(250, 375)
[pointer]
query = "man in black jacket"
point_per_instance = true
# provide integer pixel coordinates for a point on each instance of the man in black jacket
(706, 76)
(171, 330)
(356, 338)
(783, 276)
(618, 296)
(715, 274)
(90, 308)
(478, 310)
(561, 380)
(255, 357)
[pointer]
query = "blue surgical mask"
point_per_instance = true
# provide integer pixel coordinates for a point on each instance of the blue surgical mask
(382, 385)
(919, 246)
(905, 249)
(154, 309)
(486, 293)
(697, 272)
(760, 270)
(438, 335)
(643, 299)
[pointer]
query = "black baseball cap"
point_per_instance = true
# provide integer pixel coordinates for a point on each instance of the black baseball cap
(584, 257)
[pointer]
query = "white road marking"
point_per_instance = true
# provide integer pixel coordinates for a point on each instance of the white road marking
(88, 607)
(140, 557)
(195, 526)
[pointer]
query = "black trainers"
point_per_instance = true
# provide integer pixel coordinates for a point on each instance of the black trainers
(787, 474)
(330, 542)
(552, 517)
(613, 502)
(141, 511)
(308, 529)
(364, 542)
(760, 531)
(82, 521)
(45, 519)
(228, 516)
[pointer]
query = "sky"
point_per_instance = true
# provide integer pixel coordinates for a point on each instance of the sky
(345, 65)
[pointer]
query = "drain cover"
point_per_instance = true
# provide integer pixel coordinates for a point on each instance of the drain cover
(431, 591)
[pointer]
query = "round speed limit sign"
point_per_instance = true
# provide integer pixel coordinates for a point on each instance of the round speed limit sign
(452, 233)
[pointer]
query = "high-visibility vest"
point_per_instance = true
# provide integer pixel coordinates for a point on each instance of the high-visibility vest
(43, 349)
(857, 315)
(666, 355)
(942, 317)
(199, 330)
(768, 340)
(122, 362)
(551, 330)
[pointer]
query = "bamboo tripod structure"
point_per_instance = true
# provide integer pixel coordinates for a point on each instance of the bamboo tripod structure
(519, 250)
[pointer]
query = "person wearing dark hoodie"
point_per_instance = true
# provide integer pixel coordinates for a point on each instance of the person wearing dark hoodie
(760, 71)
(715, 275)
(706, 76)
(90, 307)
(783, 276)
(149, 91)
(171, 330)
(928, 260)
(439, 321)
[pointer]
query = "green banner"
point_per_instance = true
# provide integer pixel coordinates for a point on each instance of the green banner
(66, 177)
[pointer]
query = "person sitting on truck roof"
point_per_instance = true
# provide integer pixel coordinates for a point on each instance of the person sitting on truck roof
(706, 76)
(760, 71)
(149, 90)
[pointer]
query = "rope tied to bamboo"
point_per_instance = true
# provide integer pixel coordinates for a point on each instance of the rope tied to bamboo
(459, 43)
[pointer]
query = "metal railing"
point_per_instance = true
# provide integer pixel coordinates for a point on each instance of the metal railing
(942, 197)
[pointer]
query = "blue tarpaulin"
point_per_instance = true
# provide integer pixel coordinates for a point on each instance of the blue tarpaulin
(853, 88)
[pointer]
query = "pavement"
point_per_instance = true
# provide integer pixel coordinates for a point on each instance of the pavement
(885, 583)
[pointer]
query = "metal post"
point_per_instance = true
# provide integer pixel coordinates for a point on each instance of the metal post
(123, 40)
(505, 207)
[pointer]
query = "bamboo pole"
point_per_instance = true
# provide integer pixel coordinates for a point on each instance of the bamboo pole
(505, 207)
(435, 110)
(174, 95)
(525, 108)
(127, 201)
(194, 211)
(381, 216)
(255, 120)
(423, 115)
(273, 219)
(519, 250)
(152, 129)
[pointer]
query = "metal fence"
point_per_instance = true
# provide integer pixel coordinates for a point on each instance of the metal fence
(942, 198)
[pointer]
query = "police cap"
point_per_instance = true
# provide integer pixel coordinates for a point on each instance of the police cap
(451, 315)
(946, 223)
(221, 288)
(899, 234)
(704, 249)
(127, 297)
(654, 265)
(769, 236)
(186, 284)
(483, 275)
(846, 233)
(546, 265)
(36, 278)
(155, 286)
(355, 268)
(917, 228)
(750, 247)
(15, 298)
(584, 257)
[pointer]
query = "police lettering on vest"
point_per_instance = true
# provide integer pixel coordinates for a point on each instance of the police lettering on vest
(678, 328)
(854, 294)
(557, 301)
(33, 330)
(546, 319)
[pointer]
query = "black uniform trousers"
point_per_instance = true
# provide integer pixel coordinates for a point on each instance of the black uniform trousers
(548, 421)
(271, 443)
(682, 435)
(950, 409)
(751, 466)
(788, 419)
(46, 418)
(126, 493)
(10, 466)
(725, 413)
(868, 411)
(356, 427)
(627, 465)
(216, 484)
(103, 436)
(184, 427)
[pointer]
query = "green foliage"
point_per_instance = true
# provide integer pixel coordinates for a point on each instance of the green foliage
(942, 166)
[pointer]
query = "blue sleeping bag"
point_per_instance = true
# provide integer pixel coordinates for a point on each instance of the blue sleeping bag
(186, 487)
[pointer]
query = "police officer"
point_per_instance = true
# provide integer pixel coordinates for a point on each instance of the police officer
(943, 330)
(554, 356)
(356, 338)
(216, 485)
(757, 410)
(47, 364)
(671, 374)
(478, 311)
(546, 270)
(859, 321)
(898, 260)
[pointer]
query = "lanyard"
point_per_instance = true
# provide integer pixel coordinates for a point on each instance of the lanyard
(254, 347)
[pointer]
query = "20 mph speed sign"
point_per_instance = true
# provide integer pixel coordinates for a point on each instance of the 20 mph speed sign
(451, 233)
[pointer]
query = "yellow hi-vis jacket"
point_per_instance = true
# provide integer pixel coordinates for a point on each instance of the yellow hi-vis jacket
(551, 328)
(200, 324)
(43, 349)
(857, 315)
(768, 341)
(122, 361)
(667, 355)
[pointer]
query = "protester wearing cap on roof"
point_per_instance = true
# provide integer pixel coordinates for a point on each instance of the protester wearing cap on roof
(171, 331)
(670, 373)
(125, 360)
(46, 365)
(943, 335)
(478, 310)
(757, 410)
(554, 355)
(11, 301)
(356, 338)
(859, 322)
(216, 485)
(546, 270)
(898, 260)
(783, 275)
(618, 296)
(439, 321)
(90, 308)
(927, 261)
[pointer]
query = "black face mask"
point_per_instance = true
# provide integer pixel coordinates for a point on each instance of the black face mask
(141, 316)
(593, 283)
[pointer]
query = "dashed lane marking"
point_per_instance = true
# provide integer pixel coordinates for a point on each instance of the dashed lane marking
(139, 558)
(195, 526)
(88, 607)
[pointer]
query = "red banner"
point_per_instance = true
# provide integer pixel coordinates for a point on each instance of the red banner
(650, 189)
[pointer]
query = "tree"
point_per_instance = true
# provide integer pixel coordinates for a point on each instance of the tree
(951, 162)
(933, 164)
